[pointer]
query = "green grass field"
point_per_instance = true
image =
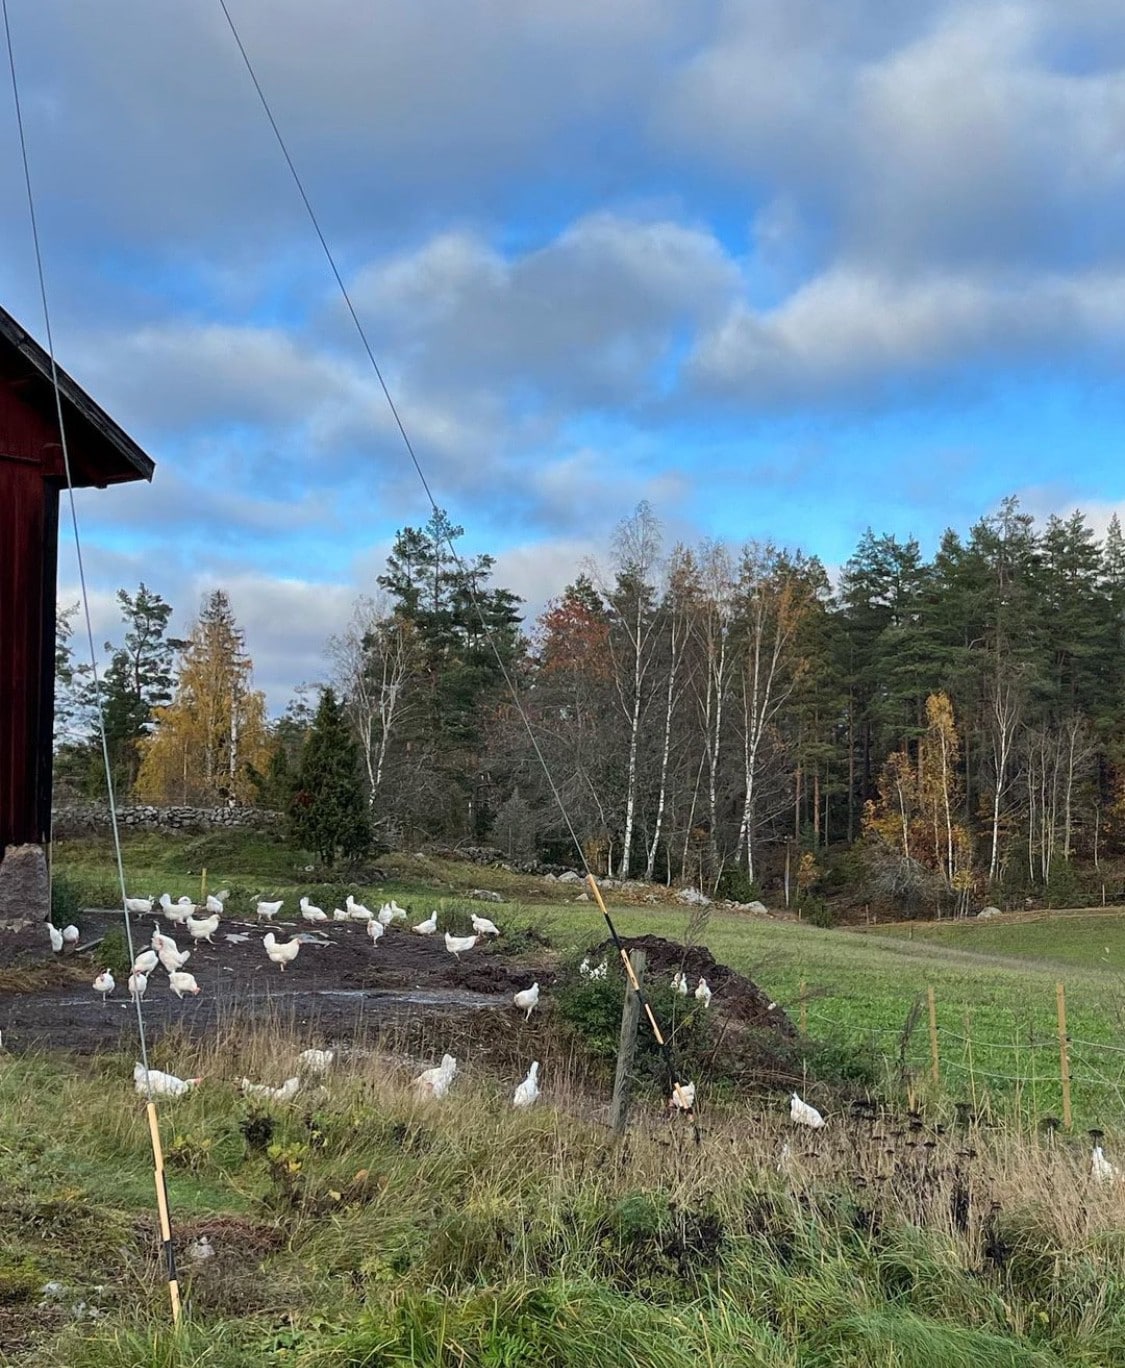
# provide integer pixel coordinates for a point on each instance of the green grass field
(994, 982)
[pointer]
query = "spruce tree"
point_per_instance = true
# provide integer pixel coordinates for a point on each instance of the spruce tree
(328, 812)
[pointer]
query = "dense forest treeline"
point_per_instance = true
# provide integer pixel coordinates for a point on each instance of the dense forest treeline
(931, 730)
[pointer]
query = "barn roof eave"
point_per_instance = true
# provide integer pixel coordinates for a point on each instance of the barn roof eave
(137, 465)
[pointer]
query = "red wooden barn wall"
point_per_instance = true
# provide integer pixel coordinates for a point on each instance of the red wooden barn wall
(31, 477)
(28, 543)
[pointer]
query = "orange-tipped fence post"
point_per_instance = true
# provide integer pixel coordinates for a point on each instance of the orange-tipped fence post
(162, 1207)
(935, 1064)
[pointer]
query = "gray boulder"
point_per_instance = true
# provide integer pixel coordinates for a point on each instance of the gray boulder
(25, 896)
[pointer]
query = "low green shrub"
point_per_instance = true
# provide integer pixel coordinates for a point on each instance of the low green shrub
(65, 902)
(113, 954)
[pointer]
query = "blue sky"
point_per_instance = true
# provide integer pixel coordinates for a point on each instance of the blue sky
(786, 269)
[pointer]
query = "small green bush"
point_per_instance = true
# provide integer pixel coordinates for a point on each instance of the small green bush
(65, 902)
(818, 913)
(113, 954)
(738, 886)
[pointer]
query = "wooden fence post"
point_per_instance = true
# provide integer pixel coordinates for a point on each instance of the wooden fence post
(803, 1009)
(203, 888)
(626, 1047)
(1064, 1054)
(935, 1069)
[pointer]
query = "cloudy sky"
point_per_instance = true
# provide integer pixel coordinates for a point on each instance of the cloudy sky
(785, 268)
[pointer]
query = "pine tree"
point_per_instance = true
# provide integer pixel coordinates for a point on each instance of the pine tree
(329, 811)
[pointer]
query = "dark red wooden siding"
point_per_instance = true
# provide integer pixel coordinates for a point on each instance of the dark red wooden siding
(31, 475)
(27, 573)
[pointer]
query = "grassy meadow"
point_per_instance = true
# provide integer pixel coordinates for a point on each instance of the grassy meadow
(361, 1225)
(994, 981)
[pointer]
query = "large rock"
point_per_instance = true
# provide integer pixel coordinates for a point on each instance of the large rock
(987, 913)
(570, 877)
(693, 896)
(25, 895)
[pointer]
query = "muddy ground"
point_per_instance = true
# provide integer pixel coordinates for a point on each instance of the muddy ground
(340, 983)
(406, 990)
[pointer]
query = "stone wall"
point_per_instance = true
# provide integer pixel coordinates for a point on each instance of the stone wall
(79, 819)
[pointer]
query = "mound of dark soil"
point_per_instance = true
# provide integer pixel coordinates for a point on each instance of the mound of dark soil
(735, 996)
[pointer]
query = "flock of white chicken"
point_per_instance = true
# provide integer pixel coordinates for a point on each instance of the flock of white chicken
(165, 951)
(434, 1083)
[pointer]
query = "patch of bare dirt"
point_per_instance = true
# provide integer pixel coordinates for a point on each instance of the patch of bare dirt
(736, 997)
(48, 1001)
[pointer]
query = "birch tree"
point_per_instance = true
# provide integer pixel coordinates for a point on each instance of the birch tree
(633, 640)
(372, 665)
(775, 592)
(212, 738)
(715, 621)
(679, 603)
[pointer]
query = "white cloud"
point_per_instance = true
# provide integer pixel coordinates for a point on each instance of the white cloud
(850, 334)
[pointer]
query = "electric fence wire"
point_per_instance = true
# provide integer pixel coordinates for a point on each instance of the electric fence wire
(73, 517)
(665, 1046)
(162, 1203)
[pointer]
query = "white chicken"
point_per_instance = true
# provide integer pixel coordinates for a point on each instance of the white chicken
(138, 986)
(527, 998)
(679, 983)
(483, 927)
(1102, 1170)
(146, 962)
(703, 993)
(385, 916)
(356, 910)
(528, 1090)
(140, 906)
(311, 913)
(70, 935)
(396, 913)
(203, 930)
(427, 927)
(104, 984)
(456, 944)
(287, 1090)
(175, 912)
(281, 953)
(801, 1114)
(316, 1061)
(215, 901)
(161, 1084)
(56, 937)
(269, 910)
(683, 1097)
(375, 929)
(339, 914)
(435, 1082)
(161, 941)
(171, 958)
(181, 983)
